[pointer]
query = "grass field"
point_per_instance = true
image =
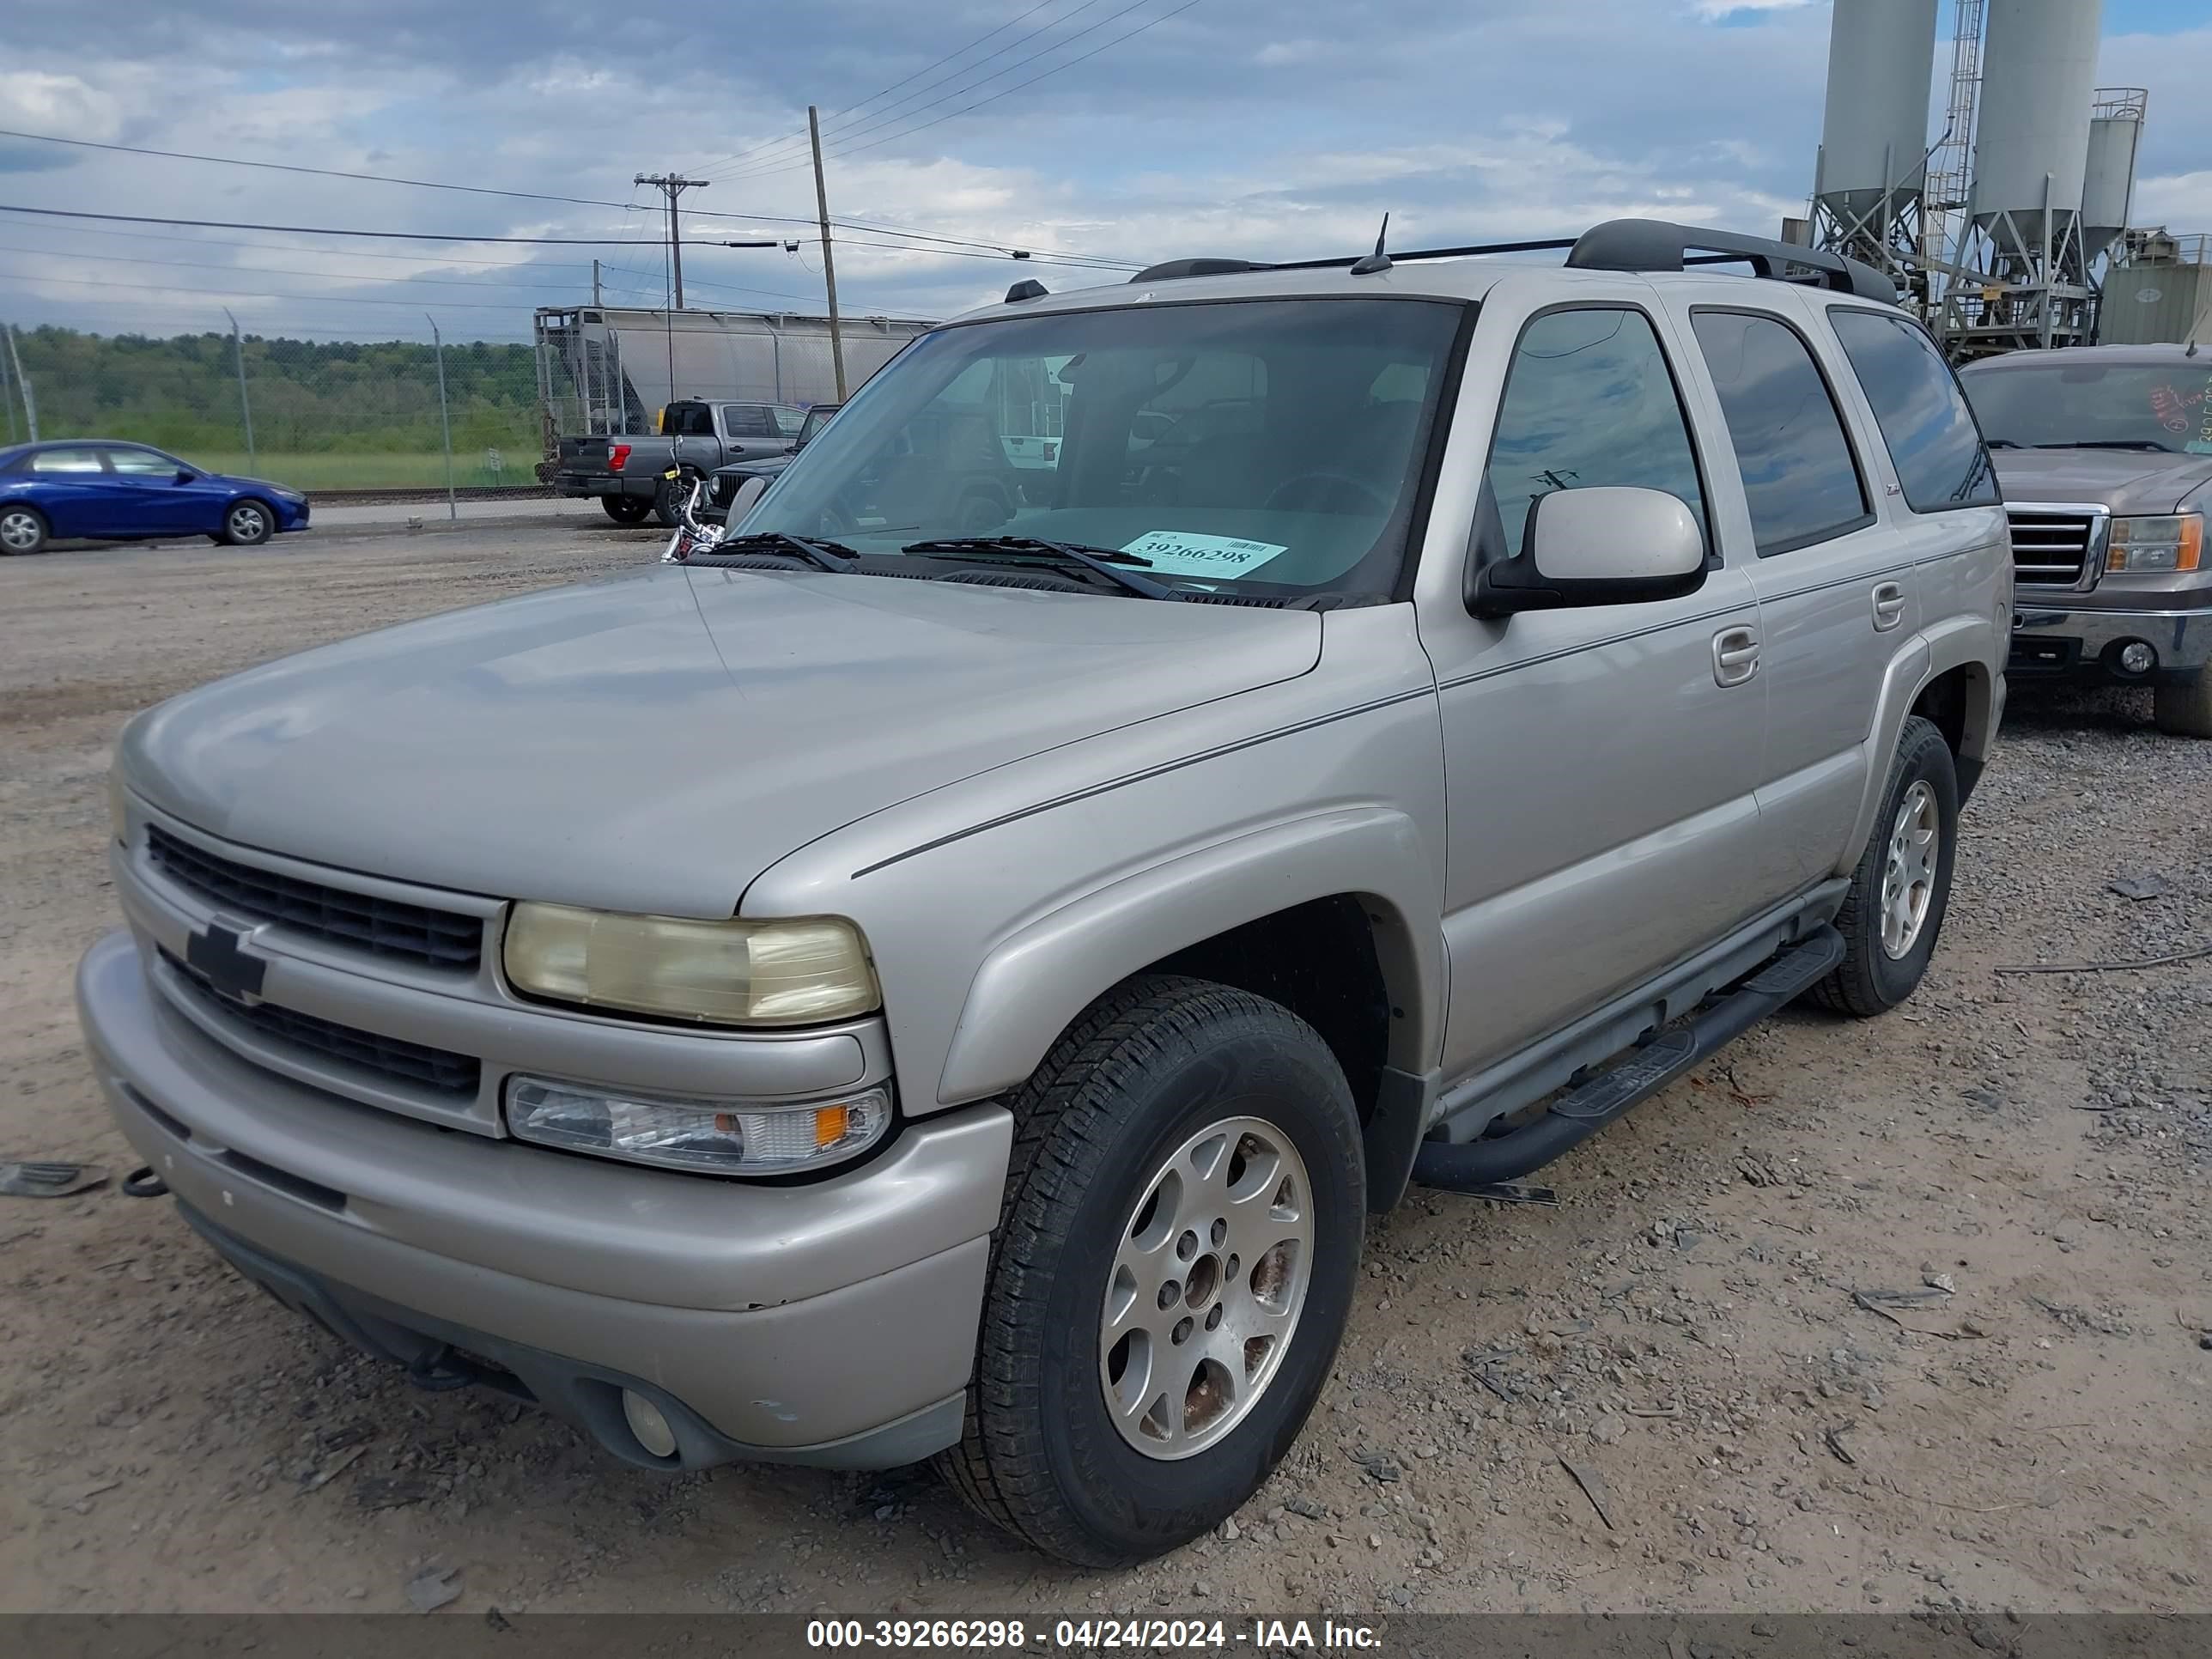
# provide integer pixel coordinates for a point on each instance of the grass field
(357, 471)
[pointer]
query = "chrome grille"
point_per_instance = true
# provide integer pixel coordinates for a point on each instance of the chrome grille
(2051, 548)
(439, 939)
(438, 1070)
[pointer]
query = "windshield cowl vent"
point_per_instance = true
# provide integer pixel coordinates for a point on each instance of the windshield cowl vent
(1019, 579)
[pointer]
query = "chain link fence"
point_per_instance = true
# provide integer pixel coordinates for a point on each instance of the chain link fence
(325, 415)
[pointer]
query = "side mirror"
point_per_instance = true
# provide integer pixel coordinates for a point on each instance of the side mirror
(749, 491)
(1608, 544)
(185, 474)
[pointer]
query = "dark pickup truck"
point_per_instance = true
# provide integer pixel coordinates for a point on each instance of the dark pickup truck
(625, 472)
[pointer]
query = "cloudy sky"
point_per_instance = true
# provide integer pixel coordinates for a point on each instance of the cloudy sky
(1091, 130)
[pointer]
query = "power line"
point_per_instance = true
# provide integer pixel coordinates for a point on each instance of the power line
(1008, 91)
(287, 167)
(319, 230)
(759, 153)
(628, 207)
(893, 112)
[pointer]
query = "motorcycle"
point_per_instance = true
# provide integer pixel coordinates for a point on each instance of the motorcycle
(692, 536)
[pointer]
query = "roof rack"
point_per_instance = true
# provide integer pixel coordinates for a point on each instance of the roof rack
(1656, 244)
(1637, 245)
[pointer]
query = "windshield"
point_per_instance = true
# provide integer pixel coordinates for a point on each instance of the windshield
(812, 423)
(2137, 406)
(1275, 446)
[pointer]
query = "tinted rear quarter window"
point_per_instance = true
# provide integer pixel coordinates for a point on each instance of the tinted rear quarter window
(1799, 475)
(1931, 433)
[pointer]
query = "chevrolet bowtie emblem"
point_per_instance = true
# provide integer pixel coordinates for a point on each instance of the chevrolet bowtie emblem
(220, 955)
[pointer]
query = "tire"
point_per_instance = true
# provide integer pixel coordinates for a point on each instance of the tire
(2184, 707)
(625, 509)
(1923, 792)
(23, 529)
(1131, 1098)
(979, 512)
(248, 523)
(665, 495)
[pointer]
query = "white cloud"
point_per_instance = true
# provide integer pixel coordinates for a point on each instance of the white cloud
(1277, 53)
(1711, 9)
(40, 102)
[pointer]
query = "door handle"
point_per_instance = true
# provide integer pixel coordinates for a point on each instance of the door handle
(1888, 606)
(1735, 655)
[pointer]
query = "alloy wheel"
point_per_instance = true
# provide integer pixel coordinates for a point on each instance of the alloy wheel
(1208, 1280)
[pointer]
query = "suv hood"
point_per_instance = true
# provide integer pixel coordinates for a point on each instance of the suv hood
(2125, 480)
(653, 743)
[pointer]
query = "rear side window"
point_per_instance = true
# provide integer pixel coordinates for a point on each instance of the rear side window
(66, 460)
(1931, 433)
(1589, 400)
(747, 421)
(1798, 472)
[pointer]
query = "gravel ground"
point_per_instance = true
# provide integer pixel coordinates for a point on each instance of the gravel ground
(1681, 1328)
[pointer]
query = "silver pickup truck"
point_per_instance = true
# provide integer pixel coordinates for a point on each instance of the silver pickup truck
(884, 990)
(2105, 456)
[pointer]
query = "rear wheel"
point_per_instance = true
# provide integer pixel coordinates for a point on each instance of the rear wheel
(22, 530)
(1894, 911)
(248, 524)
(2184, 707)
(1171, 1276)
(626, 509)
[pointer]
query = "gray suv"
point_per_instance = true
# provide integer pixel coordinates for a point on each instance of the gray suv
(893, 988)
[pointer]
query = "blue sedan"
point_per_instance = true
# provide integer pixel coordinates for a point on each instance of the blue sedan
(128, 492)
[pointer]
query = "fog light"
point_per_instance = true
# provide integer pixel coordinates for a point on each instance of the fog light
(2137, 658)
(646, 1423)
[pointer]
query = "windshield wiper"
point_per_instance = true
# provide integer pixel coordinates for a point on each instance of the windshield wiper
(1031, 550)
(822, 555)
(2000, 443)
(2112, 443)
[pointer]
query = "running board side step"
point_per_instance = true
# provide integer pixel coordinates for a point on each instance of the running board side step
(1574, 1117)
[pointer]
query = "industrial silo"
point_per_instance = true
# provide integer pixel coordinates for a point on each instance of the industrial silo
(2108, 179)
(1874, 129)
(2030, 148)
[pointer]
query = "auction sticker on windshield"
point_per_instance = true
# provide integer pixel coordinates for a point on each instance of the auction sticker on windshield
(1175, 553)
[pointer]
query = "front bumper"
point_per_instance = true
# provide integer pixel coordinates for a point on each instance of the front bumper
(2085, 643)
(833, 1322)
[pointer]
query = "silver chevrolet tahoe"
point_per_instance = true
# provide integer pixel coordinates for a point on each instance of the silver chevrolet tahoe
(2105, 457)
(896, 987)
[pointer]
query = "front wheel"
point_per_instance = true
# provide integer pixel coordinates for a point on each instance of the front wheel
(1172, 1274)
(626, 509)
(668, 501)
(2184, 707)
(22, 530)
(1894, 910)
(248, 524)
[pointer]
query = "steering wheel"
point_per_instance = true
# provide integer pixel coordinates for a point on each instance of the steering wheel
(1290, 495)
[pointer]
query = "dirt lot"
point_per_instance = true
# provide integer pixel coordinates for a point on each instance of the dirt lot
(1681, 1328)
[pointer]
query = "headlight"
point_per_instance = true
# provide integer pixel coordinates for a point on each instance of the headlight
(721, 972)
(2174, 542)
(712, 1137)
(118, 809)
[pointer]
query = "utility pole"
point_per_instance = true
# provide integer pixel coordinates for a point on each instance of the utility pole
(828, 260)
(7, 394)
(595, 282)
(23, 383)
(672, 186)
(245, 404)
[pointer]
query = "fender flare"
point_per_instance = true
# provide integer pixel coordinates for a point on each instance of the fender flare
(1034, 981)
(1957, 642)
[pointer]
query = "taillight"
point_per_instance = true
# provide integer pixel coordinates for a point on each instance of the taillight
(617, 458)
